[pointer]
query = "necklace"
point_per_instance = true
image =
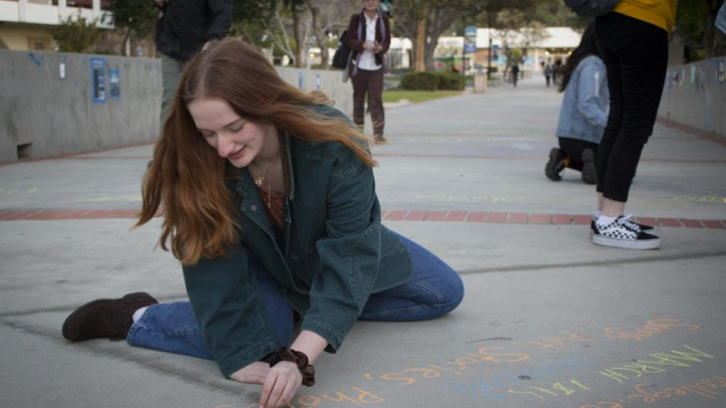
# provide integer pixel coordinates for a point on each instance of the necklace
(260, 180)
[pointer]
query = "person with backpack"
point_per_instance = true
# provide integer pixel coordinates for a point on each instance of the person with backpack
(633, 41)
(369, 37)
(583, 114)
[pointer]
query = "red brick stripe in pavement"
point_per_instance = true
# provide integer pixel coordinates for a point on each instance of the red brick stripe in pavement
(393, 215)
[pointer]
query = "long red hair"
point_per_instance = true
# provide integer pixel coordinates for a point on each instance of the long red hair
(187, 175)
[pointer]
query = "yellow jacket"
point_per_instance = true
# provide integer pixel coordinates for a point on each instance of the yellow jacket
(661, 13)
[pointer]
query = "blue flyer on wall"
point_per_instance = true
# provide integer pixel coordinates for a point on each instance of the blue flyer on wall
(114, 87)
(469, 39)
(98, 80)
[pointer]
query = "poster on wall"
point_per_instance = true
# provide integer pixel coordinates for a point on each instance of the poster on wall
(98, 80)
(114, 86)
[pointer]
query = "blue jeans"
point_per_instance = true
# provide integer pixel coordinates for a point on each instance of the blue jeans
(434, 291)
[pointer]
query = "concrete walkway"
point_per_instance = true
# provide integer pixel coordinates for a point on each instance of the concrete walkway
(549, 320)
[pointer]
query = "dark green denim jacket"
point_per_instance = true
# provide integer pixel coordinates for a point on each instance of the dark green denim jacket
(333, 254)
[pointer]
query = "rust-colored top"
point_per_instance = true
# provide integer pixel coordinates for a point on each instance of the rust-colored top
(275, 207)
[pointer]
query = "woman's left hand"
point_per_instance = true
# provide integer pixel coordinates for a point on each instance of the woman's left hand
(282, 382)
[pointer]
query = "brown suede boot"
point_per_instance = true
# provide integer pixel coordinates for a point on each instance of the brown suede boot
(105, 318)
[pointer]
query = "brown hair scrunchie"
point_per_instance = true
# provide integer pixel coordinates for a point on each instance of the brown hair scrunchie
(300, 359)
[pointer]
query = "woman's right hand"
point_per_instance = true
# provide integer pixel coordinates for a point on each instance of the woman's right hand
(255, 373)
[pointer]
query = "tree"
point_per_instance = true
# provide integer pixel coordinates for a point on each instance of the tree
(695, 22)
(136, 20)
(554, 13)
(517, 35)
(300, 30)
(76, 34)
(328, 16)
(287, 17)
(249, 16)
(424, 21)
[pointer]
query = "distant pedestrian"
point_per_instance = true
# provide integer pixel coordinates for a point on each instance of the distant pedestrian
(633, 41)
(548, 74)
(515, 73)
(557, 72)
(369, 37)
(583, 114)
(271, 208)
(184, 28)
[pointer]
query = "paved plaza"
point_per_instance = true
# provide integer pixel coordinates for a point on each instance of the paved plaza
(548, 321)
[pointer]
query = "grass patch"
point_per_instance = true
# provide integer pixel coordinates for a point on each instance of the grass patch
(396, 95)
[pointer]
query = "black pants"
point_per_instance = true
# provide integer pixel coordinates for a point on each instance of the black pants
(636, 57)
(573, 148)
(370, 82)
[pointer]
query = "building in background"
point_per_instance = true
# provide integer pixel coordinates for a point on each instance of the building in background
(554, 43)
(24, 23)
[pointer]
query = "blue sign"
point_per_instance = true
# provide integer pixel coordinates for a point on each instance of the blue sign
(470, 40)
(114, 84)
(98, 80)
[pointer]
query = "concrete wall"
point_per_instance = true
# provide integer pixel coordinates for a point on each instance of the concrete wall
(329, 82)
(44, 115)
(695, 95)
(53, 116)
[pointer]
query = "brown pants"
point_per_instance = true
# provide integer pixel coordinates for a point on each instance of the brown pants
(371, 82)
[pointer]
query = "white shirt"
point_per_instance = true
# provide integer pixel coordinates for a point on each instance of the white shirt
(368, 58)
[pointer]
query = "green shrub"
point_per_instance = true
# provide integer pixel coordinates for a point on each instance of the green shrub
(420, 81)
(453, 82)
(433, 81)
(76, 34)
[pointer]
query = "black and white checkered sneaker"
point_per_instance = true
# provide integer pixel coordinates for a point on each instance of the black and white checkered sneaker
(623, 233)
(628, 219)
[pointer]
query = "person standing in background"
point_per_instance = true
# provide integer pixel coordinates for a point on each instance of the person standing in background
(633, 41)
(515, 74)
(548, 74)
(369, 37)
(583, 115)
(186, 27)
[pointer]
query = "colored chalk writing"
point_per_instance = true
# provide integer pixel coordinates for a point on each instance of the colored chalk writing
(514, 377)
(659, 363)
(652, 327)
(710, 387)
(485, 354)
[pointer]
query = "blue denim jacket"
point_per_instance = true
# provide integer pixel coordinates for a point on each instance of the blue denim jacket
(583, 114)
(721, 18)
(330, 256)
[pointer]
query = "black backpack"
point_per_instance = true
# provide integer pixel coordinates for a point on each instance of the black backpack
(591, 8)
(340, 58)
